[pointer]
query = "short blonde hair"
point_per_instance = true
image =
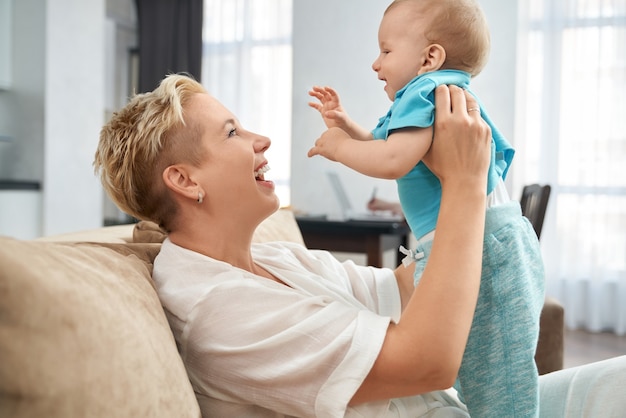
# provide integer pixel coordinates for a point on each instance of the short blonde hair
(140, 141)
(460, 27)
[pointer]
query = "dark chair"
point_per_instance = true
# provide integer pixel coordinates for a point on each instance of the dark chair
(534, 202)
(550, 347)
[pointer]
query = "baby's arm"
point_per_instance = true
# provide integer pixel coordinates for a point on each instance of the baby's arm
(390, 159)
(334, 114)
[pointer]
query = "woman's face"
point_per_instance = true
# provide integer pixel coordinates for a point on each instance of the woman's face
(232, 172)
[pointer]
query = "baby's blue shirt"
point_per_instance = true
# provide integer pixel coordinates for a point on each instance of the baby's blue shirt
(414, 107)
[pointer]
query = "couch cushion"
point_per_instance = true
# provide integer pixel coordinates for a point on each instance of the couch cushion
(82, 334)
(280, 226)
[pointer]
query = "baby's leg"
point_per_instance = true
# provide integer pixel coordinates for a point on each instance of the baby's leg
(498, 375)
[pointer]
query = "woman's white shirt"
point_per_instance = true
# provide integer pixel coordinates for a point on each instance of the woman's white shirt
(255, 347)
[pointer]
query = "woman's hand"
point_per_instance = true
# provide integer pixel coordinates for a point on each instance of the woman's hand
(461, 134)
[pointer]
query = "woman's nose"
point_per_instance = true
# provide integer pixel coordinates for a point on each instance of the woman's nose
(262, 143)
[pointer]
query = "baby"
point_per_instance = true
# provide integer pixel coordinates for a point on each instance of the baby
(425, 43)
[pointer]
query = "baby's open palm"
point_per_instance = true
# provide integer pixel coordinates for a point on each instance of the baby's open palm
(329, 107)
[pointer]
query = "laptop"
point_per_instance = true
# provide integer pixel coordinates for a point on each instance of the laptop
(350, 214)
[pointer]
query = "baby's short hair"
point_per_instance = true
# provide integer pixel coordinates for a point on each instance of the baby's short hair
(460, 27)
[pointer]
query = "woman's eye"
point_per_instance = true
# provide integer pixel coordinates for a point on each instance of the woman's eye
(232, 132)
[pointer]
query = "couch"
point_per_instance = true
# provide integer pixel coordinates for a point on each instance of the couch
(82, 332)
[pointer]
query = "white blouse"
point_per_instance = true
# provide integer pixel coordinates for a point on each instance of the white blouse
(257, 348)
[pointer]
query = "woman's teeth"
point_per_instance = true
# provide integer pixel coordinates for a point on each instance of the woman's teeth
(259, 173)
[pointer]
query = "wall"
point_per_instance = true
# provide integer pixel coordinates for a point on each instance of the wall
(74, 114)
(335, 43)
(56, 104)
(22, 105)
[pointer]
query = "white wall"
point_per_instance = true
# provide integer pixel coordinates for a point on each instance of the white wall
(21, 105)
(54, 108)
(74, 114)
(335, 43)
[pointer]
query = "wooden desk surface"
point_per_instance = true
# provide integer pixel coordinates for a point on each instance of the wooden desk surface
(370, 237)
(336, 226)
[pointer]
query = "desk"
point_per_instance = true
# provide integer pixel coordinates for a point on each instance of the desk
(370, 237)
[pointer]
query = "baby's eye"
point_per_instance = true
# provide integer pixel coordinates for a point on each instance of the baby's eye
(232, 132)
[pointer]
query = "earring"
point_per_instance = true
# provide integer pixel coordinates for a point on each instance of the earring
(200, 197)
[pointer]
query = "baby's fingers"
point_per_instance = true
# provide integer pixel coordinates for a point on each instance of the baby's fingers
(331, 92)
(316, 106)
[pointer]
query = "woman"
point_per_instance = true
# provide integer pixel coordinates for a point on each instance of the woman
(274, 329)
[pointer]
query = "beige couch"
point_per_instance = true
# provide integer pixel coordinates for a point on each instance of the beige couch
(82, 332)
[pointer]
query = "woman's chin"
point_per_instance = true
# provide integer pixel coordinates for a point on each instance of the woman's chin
(268, 188)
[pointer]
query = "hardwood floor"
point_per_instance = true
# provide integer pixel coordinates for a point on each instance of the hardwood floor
(582, 347)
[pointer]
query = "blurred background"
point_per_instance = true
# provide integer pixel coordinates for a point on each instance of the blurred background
(555, 85)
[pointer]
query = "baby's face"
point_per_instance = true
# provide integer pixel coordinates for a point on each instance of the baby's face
(402, 47)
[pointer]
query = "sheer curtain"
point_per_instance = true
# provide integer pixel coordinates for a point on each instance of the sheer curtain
(247, 65)
(571, 133)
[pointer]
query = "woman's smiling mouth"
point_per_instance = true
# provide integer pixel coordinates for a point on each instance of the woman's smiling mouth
(259, 174)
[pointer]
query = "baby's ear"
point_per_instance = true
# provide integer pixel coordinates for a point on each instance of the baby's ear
(434, 57)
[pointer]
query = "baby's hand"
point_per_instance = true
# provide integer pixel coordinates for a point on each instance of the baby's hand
(329, 107)
(329, 143)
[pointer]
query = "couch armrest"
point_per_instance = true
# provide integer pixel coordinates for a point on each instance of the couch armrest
(550, 348)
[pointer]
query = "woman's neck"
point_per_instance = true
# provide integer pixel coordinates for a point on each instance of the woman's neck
(218, 241)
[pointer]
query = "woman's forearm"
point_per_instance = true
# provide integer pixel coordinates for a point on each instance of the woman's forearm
(445, 298)
(423, 351)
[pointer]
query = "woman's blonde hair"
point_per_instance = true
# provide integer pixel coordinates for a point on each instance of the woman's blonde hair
(140, 141)
(460, 27)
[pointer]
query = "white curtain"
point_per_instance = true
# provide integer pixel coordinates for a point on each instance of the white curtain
(247, 65)
(571, 134)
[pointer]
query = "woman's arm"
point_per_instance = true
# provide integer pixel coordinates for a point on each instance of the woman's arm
(423, 351)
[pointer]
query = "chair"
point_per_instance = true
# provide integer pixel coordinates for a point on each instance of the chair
(550, 347)
(534, 202)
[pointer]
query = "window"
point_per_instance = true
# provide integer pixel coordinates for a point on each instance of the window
(247, 65)
(572, 135)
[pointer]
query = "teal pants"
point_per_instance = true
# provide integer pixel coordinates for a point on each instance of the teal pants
(498, 375)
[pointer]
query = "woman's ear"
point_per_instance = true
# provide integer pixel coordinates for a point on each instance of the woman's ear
(177, 179)
(434, 57)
